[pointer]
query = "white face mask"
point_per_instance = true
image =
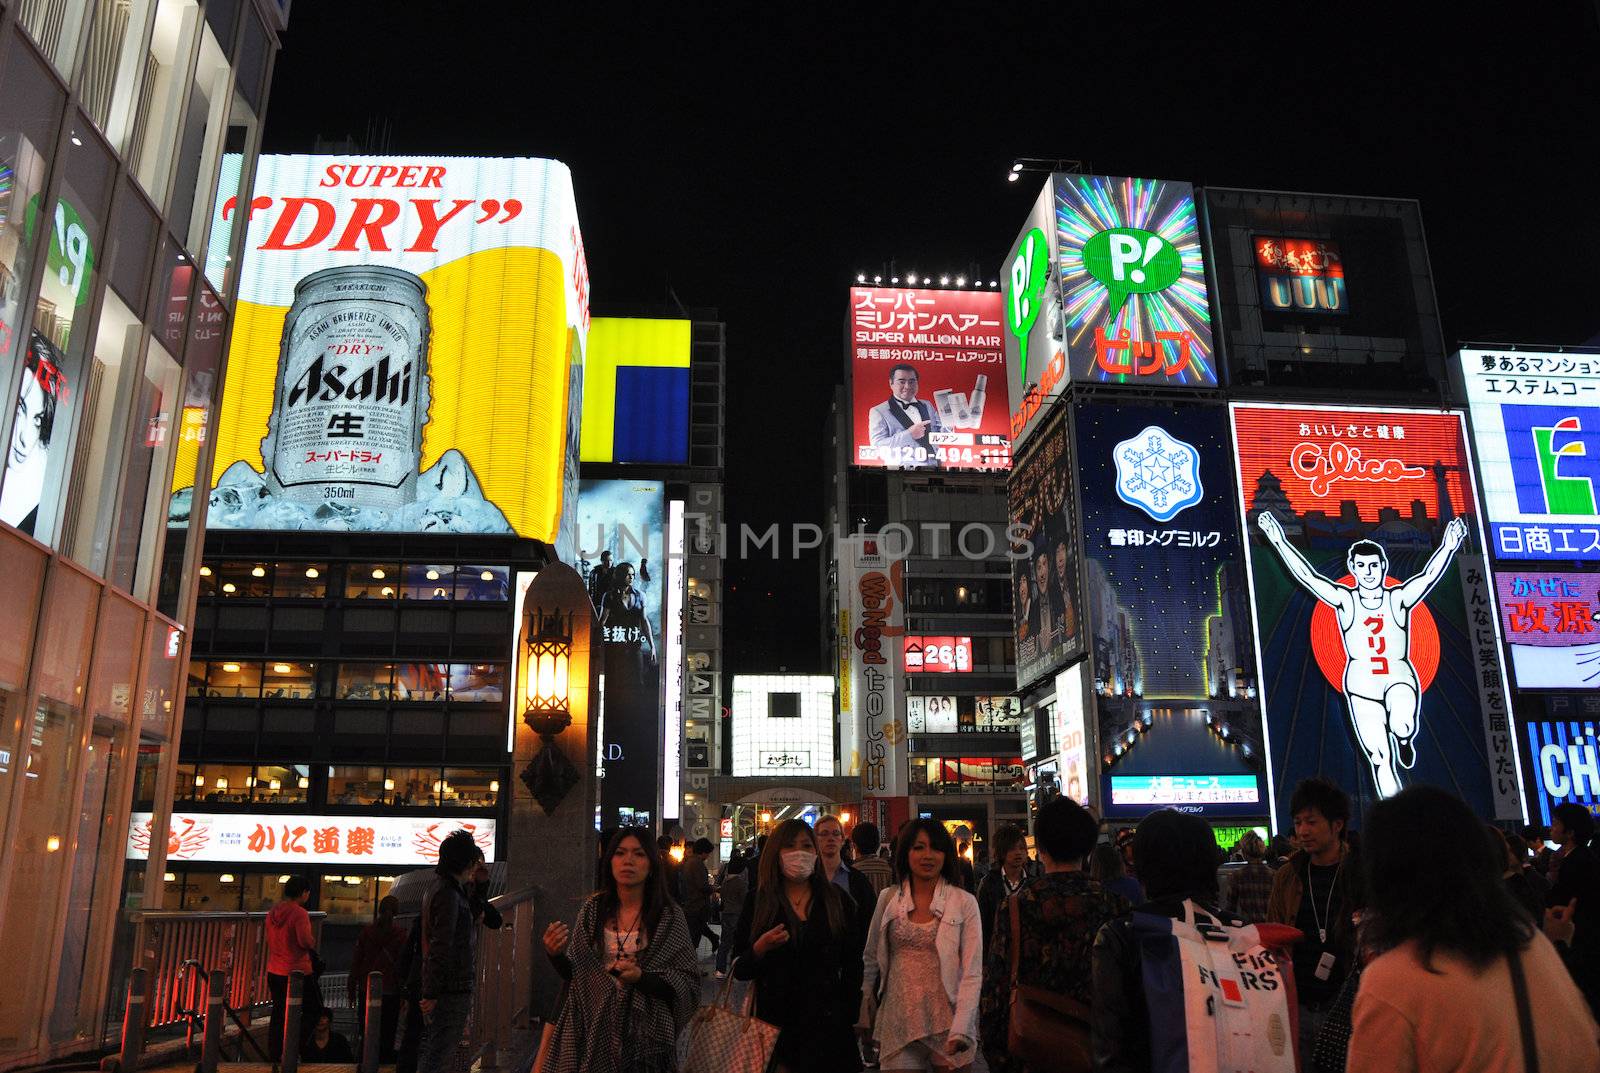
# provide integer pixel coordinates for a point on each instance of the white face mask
(798, 863)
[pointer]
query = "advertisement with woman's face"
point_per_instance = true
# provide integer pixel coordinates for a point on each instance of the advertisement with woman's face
(44, 388)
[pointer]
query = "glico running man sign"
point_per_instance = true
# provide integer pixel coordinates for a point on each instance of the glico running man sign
(407, 350)
(1375, 622)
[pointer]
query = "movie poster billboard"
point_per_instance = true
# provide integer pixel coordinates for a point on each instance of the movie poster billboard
(1174, 669)
(1536, 425)
(621, 544)
(1044, 561)
(1551, 621)
(1377, 635)
(927, 383)
(407, 349)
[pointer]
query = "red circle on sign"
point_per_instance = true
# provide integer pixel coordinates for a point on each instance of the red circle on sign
(1327, 643)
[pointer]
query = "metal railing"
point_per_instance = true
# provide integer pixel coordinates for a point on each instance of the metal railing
(500, 1030)
(179, 947)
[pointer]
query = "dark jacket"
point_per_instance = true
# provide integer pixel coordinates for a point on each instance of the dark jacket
(1119, 1024)
(992, 894)
(450, 915)
(1289, 887)
(1578, 876)
(810, 987)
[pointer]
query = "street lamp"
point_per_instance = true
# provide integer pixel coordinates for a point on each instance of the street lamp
(546, 658)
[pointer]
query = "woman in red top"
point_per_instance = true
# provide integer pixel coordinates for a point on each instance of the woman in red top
(290, 948)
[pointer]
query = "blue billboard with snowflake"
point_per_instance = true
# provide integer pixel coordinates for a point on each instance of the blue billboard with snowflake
(1176, 696)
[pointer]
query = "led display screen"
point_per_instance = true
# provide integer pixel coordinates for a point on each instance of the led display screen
(937, 655)
(927, 384)
(1551, 620)
(1124, 300)
(636, 391)
(1173, 663)
(1044, 564)
(407, 349)
(1304, 275)
(620, 542)
(242, 838)
(1376, 631)
(1536, 424)
(1562, 751)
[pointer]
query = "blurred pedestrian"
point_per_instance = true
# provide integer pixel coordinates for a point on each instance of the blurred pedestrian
(1318, 891)
(799, 940)
(694, 878)
(1060, 913)
(291, 947)
(923, 959)
(1012, 871)
(1575, 876)
(1250, 886)
(735, 888)
(1518, 884)
(476, 889)
(1177, 858)
(671, 868)
(378, 949)
(630, 965)
(867, 840)
(1464, 982)
(1106, 869)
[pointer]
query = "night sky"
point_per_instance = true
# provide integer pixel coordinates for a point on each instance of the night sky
(753, 163)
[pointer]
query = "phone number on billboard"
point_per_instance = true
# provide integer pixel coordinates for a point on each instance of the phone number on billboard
(997, 457)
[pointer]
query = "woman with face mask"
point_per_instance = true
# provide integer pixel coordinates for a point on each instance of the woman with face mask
(799, 940)
(924, 959)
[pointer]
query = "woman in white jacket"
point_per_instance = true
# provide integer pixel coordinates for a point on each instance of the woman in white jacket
(923, 960)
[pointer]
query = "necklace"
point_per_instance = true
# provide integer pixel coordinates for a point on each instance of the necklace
(624, 938)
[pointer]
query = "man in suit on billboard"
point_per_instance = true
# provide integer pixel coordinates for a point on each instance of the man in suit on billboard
(899, 427)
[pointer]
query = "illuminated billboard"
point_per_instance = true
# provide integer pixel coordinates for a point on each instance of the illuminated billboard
(407, 349)
(1171, 654)
(1106, 284)
(1071, 733)
(937, 655)
(1563, 755)
(782, 724)
(1303, 275)
(924, 364)
(872, 624)
(277, 838)
(1377, 637)
(1536, 425)
(1551, 620)
(1044, 561)
(621, 546)
(636, 391)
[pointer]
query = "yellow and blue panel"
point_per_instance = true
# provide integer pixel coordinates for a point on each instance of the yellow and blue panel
(636, 391)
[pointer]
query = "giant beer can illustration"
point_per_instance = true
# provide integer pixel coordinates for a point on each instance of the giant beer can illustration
(351, 393)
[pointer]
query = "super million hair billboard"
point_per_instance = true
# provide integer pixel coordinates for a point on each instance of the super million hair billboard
(407, 351)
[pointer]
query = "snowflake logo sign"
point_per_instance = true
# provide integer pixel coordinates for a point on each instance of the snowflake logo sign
(1158, 473)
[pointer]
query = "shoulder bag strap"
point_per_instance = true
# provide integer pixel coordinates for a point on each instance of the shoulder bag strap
(1519, 984)
(1016, 938)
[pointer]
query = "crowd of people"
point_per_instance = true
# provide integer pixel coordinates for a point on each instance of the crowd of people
(1432, 942)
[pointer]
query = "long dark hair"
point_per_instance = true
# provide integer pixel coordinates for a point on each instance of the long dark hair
(1442, 892)
(656, 898)
(771, 904)
(938, 838)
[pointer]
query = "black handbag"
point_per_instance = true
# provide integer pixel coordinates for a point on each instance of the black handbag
(1330, 1050)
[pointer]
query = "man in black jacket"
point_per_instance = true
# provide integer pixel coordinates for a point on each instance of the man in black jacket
(1575, 875)
(440, 961)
